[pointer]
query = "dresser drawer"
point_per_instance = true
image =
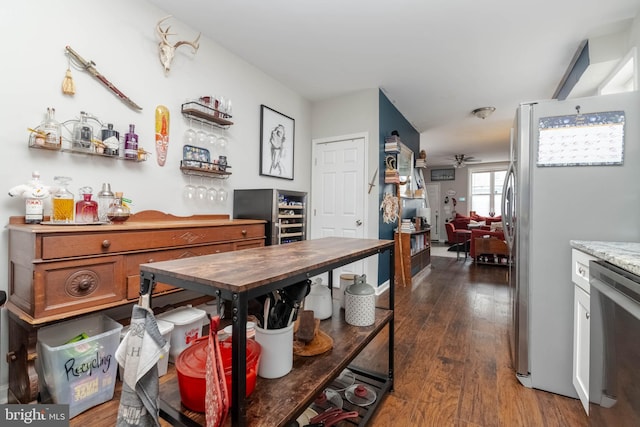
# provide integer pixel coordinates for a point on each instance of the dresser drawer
(132, 264)
(61, 287)
(57, 246)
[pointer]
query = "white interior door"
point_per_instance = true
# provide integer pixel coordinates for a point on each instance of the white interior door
(338, 193)
(433, 195)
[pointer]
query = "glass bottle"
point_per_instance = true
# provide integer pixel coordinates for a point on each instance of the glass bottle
(82, 134)
(51, 128)
(86, 209)
(105, 198)
(62, 201)
(111, 140)
(34, 201)
(118, 211)
(131, 143)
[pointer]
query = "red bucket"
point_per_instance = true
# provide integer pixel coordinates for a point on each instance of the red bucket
(191, 368)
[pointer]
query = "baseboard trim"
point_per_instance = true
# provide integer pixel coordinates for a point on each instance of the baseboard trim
(382, 288)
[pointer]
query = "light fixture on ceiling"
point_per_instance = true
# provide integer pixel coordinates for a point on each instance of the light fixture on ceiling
(483, 112)
(459, 162)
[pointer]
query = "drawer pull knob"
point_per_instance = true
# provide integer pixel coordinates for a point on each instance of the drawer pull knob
(244, 232)
(106, 244)
(82, 283)
(586, 314)
(581, 271)
(11, 357)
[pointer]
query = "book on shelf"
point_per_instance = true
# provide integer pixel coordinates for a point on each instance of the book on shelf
(421, 163)
(392, 138)
(391, 147)
(406, 226)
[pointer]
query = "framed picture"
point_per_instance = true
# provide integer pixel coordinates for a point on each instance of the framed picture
(276, 143)
(443, 174)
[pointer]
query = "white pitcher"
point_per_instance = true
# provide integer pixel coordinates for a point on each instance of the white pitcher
(319, 300)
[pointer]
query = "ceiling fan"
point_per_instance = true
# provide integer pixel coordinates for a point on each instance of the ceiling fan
(461, 160)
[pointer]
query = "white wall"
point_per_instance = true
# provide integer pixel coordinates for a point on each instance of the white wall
(119, 35)
(351, 114)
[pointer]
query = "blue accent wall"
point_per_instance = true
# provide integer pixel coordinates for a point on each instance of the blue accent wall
(390, 119)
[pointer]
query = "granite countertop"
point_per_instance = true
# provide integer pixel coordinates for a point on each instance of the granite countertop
(625, 255)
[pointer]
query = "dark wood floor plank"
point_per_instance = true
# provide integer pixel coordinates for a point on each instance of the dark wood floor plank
(478, 399)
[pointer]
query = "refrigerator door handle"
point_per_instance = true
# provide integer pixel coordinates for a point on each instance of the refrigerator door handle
(508, 206)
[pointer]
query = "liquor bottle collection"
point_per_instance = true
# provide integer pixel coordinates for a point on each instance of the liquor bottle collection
(109, 207)
(88, 135)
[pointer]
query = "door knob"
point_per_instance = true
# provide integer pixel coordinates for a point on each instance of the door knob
(358, 223)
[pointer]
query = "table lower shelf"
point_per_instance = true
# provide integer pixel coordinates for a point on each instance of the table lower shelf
(275, 402)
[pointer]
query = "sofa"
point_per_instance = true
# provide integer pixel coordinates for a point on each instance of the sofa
(492, 228)
(462, 222)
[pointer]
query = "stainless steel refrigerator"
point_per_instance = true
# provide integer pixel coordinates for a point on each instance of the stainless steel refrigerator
(284, 210)
(572, 176)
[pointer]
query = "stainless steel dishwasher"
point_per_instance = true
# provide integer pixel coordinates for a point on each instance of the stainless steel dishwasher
(614, 374)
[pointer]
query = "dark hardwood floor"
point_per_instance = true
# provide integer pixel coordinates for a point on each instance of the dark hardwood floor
(452, 363)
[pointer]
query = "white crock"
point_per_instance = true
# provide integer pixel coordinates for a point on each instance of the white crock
(360, 303)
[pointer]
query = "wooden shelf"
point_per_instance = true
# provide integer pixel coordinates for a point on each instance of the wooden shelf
(413, 254)
(291, 234)
(277, 401)
(142, 155)
(296, 225)
(291, 207)
(208, 173)
(205, 114)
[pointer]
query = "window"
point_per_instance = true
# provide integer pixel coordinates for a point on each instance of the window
(486, 191)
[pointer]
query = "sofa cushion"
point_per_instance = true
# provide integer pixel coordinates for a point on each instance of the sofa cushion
(496, 226)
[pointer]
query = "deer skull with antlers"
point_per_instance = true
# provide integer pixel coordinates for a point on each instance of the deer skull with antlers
(168, 50)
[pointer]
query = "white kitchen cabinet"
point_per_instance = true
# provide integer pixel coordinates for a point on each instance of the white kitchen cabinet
(580, 277)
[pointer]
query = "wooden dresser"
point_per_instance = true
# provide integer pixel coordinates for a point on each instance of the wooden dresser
(57, 272)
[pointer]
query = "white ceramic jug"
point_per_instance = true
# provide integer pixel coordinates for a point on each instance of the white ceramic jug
(360, 303)
(319, 300)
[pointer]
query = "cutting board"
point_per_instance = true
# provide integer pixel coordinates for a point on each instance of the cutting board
(321, 342)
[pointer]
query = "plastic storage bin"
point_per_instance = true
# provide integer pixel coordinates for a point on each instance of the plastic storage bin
(81, 374)
(165, 329)
(187, 328)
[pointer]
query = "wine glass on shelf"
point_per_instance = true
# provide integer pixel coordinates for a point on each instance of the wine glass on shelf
(229, 110)
(201, 192)
(189, 191)
(222, 193)
(211, 139)
(201, 137)
(221, 145)
(189, 136)
(212, 194)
